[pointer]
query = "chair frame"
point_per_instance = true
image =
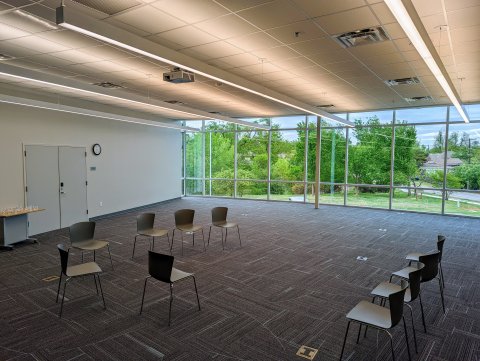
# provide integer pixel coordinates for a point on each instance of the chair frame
(380, 329)
(151, 238)
(178, 227)
(151, 255)
(225, 209)
(64, 270)
(72, 243)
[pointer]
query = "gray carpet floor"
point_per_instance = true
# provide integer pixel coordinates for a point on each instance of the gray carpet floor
(291, 284)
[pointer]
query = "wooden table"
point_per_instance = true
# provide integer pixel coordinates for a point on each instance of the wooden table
(14, 227)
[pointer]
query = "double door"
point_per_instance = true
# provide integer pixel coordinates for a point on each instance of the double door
(56, 180)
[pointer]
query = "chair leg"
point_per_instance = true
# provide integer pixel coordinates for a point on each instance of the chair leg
(223, 244)
(226, 235)
(423, 315)
(359, 331)
(406, 338)
(63, 297)
(95, 279)
(344, 340)
(59, 283)
(82, 256)
(101, 291)
(391, 344)
(134, 243)
(153, 243)
(196, 291)
(366, 326)
(441, 274)
(181, 233)
(94, 256)
(171, 300)
(173, 237)
(111, 261)
(193, 236)
(203, 239)
(209, 232)
(143, 295)
(239, 238)
(441, 293)
(413, 327)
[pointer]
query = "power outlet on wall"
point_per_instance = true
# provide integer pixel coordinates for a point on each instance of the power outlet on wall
(101, 204)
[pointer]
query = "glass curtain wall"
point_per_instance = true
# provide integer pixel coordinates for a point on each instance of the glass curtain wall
(413, 159)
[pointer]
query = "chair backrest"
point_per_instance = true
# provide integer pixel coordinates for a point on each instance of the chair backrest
(184, 217)
(145, 221)
(440, 241)
(430, 261)
(160, 266)
(396, 306)
(414, 280)
(219, 214)
(64, 251)
(82, 231)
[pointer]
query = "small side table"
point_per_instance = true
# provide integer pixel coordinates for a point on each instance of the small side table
(14, 227)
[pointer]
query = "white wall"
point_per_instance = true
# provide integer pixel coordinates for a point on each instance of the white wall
(139, 164)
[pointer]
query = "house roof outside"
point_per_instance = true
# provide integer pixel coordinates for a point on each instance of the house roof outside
(436, 161)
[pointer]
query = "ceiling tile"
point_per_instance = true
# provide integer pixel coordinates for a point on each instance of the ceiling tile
(149, 19)
(274, 14)
(464, 17)
(346, 21)
(237, 5)
(227, 26)
(325, 7)
(187, 36)
(427, 8)
(255, 41)
(383, 13)
(10, 32)
(218, 49)
(314, 46)
(297, 32)
(191, 11)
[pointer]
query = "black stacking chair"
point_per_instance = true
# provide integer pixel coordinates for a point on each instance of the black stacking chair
(413, 257)
(219, 219)
(385, 289)
(70, 272)
(184, 223)
(379, 317)
(160, 267)
(145, 228)
(429, 273)
(81, 237)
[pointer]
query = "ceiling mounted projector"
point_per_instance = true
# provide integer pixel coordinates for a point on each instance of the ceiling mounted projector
(178, 75)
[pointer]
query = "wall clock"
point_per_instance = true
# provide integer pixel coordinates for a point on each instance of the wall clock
(96, 149)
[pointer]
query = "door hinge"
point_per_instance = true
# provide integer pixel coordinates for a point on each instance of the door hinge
(86, 183)
(85, 154)
(25, 152)
(87, 211)
(26, 189)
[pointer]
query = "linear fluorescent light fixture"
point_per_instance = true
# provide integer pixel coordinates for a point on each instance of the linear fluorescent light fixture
(74, 23)
(405, 20)
(90, 113)
(30, 75)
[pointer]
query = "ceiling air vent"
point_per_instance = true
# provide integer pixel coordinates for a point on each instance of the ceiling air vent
(419, 99)
(324, 106)
(6, 57)
(361, 37)
(402, 81)
(108, 85)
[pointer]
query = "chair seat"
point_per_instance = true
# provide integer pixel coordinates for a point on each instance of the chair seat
(224, 224)
(90, 245)
(189, 228)
(178, 275)
(367, 312)
(414, 256)
(83, 269)
(385, 289)
(153, 232)
(403, 273)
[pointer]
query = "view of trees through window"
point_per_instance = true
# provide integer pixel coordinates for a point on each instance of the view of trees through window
(408, 159)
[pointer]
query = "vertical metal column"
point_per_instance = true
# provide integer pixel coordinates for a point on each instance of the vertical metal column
(444, 191)
(332, 164)
(345, 180)
(392, 161)
(235, 158)
(269, 159)
(317, 163)
(184, 134)
(203, 157)
(210, 162)
(305, 163)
